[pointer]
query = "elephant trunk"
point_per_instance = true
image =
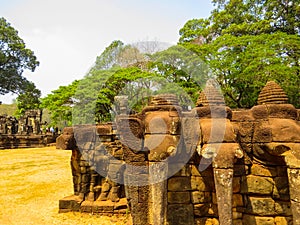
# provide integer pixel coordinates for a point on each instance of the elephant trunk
(223, 182)
(223, 162)
(293, 164)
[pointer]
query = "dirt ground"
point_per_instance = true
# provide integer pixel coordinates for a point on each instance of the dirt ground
(33, 181)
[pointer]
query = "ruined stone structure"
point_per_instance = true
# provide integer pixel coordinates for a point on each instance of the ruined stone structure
(211, 165)
(25, 132)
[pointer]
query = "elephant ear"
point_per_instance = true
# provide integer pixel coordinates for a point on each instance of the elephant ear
(131, 130)
(191, 133)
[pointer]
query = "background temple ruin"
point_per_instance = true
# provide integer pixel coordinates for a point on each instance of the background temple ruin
(24, 132)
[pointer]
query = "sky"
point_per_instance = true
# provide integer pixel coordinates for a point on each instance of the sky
(67, 35)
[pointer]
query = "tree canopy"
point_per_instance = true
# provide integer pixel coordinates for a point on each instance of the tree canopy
(246, 43)
(29, 99)
(124, 70)
(14, 59)
(60, 103)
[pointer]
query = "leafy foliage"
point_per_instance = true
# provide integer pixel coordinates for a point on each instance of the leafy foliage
(96, 93)
(30, 99)
(247, 43)
(109, 56)
(124, 70)
(181, 67)
(14, 58)
(8, 109)
(60, 103)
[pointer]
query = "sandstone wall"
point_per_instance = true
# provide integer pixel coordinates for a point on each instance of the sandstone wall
(211, 165)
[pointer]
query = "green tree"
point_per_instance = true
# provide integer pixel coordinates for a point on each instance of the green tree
(117, 54)
(182, 67)
(247, 43)
(14, 59)
(30, 99)
(95, 94)
(109, 57)
(60, 103)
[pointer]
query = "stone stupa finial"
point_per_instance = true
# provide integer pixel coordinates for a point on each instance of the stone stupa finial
(272, 93)
(211, 95)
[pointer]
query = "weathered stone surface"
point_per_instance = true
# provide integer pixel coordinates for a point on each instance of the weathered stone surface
(236, 184)
(191, 132)
(162, 123)
(283, 111)
(104, 129)
(202, 183)
(179, 184)
(227, 153)
(261, 152)
(272, 93)
(69, 203)
(139, 213)
(201, 197)
(249, 156)
(257, 185)
(245, 131)
(206, 209)
(238, 222)
(285, 130)
(259, 112)
(213, 112)
(164, 100)
(217, 131)
(262, 132)
(251, 220)
(283, 220)
(160, 198)
(223, 182)
(296, 212)
(294, 182)
(179, 197)
(281, 188)
(283, 208)
(261, 206)
(176, 212)
(131, 132)
(237, 216)
(205, 173)
(242, 115)
(179, 170)
(292, 159)
(206, 221)
(240, 170)
(161, 147)
(130, 156)
(237, 200)
(86, 206)
(210, 96)
(143, 194)
(265, 171)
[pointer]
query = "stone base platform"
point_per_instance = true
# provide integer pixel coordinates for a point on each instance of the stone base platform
(10, 141)
(105, 208)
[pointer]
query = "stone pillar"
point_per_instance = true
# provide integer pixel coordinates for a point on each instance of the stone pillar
(223, 162)
(293, 164)
(223, 182)
(136, 174)
(158, 172)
